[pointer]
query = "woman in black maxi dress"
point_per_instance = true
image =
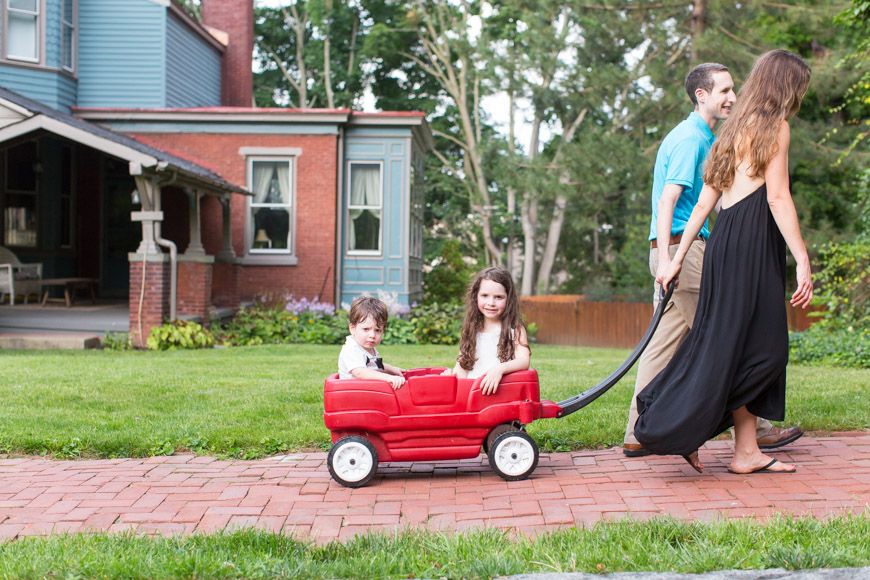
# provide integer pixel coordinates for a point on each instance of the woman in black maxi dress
(737, 350)
(731, 366)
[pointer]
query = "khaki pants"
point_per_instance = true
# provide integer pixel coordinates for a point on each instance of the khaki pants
(673, 328)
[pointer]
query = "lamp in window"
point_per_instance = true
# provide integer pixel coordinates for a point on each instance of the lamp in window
(261, 240)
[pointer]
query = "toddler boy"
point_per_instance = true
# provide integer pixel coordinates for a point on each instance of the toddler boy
(359, 359)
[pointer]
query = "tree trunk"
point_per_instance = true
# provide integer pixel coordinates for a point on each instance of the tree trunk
(530, 234)
(529, 216)
(298, 25)
(554, 232)
(327, 71)
(553, 236)
(699, 17)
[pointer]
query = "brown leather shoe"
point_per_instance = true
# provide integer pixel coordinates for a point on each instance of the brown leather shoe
(635, 450)
(779, 437)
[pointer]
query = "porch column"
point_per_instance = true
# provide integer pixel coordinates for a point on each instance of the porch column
(227, 268)
(226, 253)
(147, 190)
(195, 247)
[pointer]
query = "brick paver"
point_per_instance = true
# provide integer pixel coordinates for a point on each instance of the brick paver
(294, 493)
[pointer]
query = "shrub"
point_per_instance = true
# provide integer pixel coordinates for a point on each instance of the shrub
(400, 331)
(117, 341)
(285, 321)
(448, 278)
(179, 334)
(312, 322)
(844, 347)
(844, 285)
(438, 323)
(259, 325)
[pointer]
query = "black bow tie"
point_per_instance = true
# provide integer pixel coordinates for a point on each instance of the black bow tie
(379, 362)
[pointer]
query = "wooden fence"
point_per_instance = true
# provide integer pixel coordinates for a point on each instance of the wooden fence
(571, 321)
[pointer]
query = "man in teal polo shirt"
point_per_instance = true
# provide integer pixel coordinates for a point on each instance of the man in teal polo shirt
(677, 183)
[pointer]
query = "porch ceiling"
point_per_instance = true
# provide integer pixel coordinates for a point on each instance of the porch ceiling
(34, 116)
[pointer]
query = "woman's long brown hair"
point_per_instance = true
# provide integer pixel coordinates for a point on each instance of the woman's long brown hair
(511, 321)
(772, 94)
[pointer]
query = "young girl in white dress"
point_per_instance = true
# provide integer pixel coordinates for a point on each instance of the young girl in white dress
(494, 341)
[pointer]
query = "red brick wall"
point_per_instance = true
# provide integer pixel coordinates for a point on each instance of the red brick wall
(176, 217)
(155, 306)
(236, 18)
(225, 284)
(316, 179)
(194, 290)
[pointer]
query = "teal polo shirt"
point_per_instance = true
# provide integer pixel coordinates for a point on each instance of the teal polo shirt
(680, 160)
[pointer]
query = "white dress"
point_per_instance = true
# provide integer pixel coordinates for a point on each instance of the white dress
(487, 353)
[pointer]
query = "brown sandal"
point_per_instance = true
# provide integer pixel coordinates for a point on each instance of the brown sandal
(693, 460)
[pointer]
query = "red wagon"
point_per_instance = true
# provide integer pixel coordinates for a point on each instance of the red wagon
(436, 417)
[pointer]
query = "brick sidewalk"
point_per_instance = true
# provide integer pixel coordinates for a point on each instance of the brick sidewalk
(294, 493)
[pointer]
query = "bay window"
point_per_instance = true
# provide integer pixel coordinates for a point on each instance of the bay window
(365, 208)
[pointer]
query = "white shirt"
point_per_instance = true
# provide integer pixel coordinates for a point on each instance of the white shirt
(487, 353)
(354, 356)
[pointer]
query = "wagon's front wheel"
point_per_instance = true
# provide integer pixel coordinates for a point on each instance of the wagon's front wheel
(514, 455)
(352, 461)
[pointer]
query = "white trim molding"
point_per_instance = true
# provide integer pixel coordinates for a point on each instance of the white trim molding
(270, 151)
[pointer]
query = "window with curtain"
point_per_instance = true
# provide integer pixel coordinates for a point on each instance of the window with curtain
(68, 35)
(22, 30)
(20, 223)
(365, 208)
(270, 213)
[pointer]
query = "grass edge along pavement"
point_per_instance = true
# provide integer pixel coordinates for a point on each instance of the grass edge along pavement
(249, 402)
(659, 544)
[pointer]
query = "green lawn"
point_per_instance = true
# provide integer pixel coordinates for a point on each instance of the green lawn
(249, 402)
(657, 545)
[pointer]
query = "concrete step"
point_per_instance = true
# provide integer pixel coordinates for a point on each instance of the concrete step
(68, 341)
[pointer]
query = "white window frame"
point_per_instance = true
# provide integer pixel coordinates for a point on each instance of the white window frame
(380, 250)
(40, 22)
(290, 207)
(73, 35)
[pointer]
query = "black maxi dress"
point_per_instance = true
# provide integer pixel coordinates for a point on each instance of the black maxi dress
(737, 349)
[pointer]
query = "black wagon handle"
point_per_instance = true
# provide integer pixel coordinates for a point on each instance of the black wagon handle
(577, 402)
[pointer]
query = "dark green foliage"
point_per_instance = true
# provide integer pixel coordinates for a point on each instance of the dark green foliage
(179, 334)
(827, 346)
(399, 331)
(841, 336)
(266, 324)
(844, 286)
(117, 341)
(448, 279)
(438, 323)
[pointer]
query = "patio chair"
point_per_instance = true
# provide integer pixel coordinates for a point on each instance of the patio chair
(18, 278)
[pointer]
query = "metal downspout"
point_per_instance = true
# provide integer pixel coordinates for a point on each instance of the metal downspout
(173, 249)
(339, 218)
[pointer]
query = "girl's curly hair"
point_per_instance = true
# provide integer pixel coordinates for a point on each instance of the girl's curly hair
(511, 322)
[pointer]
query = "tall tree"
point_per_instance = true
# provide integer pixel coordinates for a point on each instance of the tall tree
(308, 53)
(451, 52)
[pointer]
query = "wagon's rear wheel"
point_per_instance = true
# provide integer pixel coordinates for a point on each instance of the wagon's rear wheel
(352, 461)
(514, 455)
(496, 431)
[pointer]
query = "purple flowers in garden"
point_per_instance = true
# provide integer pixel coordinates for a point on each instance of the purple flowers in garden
(314, 308)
